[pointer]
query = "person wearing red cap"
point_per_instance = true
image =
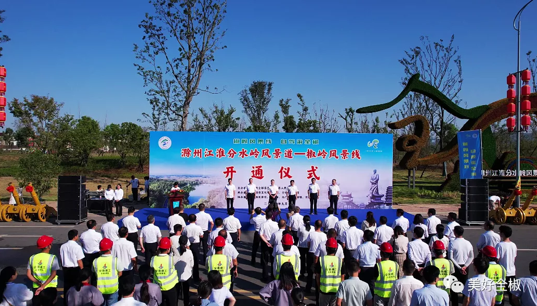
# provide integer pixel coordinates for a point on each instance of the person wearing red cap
(286, 256)
(42, 267)
(220, 262)
(330, 272)
(445, 265)
(106, 269)
(495, 271)
(386, 273)
(165, 274)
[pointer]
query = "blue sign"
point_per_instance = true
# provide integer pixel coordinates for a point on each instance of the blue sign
(470, 156)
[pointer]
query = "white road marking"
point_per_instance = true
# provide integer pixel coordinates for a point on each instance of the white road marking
(529, 250)
(21, 236)
(10, 249)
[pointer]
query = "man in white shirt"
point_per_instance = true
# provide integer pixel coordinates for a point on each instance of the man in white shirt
(354, 291)
(71, 254)
(203, 219)
(230, 251)
(431, 223)
(286, 243)
(126, 287)
(489, 237)
(494, 202)
(273, 195)
(461, 253)
(418, 251)
(321, 249)
(367, 254)
(404, 287)
(276, 237)
(292, 193)
(110, 229)
(313, 195)
(485, 296)
(150, 236)
(265, 233)
(257, 221)
(175, 219)
(330, 221)
(507, 252)
(342, 226)
(195, 235)
(125, 253)
(452, 223)
(219, 225)
(90, 243)
(401, 220)
(233, 227)
(383, 233)
(295, 221)
(230, 192)
(135, 183)
(251, 191)
(314, 239)
(132, 224)
(333, 195)
(351, 238)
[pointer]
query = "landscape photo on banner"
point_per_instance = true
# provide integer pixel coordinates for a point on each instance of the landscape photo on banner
(202, 163)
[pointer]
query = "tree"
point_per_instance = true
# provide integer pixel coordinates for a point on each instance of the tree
(289, 123)
(140, 149)
(62, 134)
(40, 169)
(255, 101)
(85, 138)
(124, 139)
(532, 63)
(180, 41)
(350, 120)
(3, 37)
(216, 119)
(22, 136)
(157, 118)
(305, 123)
(439, 64)
(9, 137)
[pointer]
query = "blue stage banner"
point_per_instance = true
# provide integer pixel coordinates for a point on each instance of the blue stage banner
(470, 154)
(202, 163)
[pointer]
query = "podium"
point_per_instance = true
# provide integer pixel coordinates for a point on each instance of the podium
(175, 199)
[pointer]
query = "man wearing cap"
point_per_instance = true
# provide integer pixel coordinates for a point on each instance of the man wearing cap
(495, 272)
(321, 249)
(279, 248)
(286, 256)
(106, 269)
(42, 267)
(165, 274)
(220, 262)
(330, 272)
(445, 266)
(386, 273)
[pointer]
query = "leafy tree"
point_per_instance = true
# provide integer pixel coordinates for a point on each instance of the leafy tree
(180, 41)
(255, 101)
(123, 138)
(40, 169)
(532, 63)
(3, 37)
(216, 119)
(289, 123)
(62, 133)
(350, 119)
(157, 118)
(22, 136)
(85, 138)
(9, 137)
(140, 149)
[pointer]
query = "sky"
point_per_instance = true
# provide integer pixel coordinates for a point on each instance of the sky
(341, 53)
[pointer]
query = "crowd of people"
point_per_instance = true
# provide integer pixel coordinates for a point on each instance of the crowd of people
(340, 262)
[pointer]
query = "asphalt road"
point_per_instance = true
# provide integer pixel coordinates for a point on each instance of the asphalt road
(18, 239)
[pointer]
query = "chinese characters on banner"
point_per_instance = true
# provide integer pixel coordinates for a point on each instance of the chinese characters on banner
(470, 159)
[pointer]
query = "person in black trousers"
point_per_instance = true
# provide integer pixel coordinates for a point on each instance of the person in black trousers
(251, 191)
(194, 233)
(313, 195)
(229, 193)
(257, 239)
(333, 195)
(70, 252)
(266, 252)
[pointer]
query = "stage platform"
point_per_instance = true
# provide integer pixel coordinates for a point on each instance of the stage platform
(161, 215)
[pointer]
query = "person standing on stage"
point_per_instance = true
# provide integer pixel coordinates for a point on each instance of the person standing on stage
(295, 221)
(125, 252)
(109, 196)
(132, 224)
(110, 229)
(230, 192)
(313, 195)
(135, 183)
(175, 219)
(333, 195)
(90, 240)
(273, 196)
(194, 234)
(257, 221)
(233, 226)
(150, 236)
(71, 255)
(251, 191)
(292, 193)
(203, 219)
(118, 200)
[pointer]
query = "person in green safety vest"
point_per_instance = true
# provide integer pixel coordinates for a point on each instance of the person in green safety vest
(165, 274)
(386, 273)
(496, 272)
(286, 256)
(445, 265)
(330, 272)
(42, 267)
(220, 262)
(106, 269)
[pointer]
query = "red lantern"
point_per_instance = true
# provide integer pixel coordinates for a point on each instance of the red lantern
(2, 87)
(511, 93)
(525, 106)
(511, 80)
(534, 192)
(3, 101)
(10, 189)
(518, 192)
(525, 120)
(510, 124)
(2, 116)
(29, 189)
(3, 72)
(526, 90)
(511, 109)
(525, 75)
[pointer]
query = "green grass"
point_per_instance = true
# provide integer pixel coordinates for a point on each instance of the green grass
(426, 191)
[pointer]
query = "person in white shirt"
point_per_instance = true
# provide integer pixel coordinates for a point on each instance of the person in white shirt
(110, 229)
(354, 291)
(489, 237)
(321, 249)
(480, 297)
(229, 192)
(286, 245)
(431, 223)
(203, 219)
(257, 221)
(367, 254)
(439, 236)
(418, 251)
(313, 195)
(401, 220)
(126, 286)
(330, 221)
(150, 236)
(265, 232)
(314, 239)
(178, 228)
(507, 252)
(175, 187)
(219, 225)
(400, 248)
(13, 294)
(303, 245)
(342, 226)
(333, 195)
(230, 251)
(109, 195)
(383, 233)
(135, 184)
(419, 222)
(461, 253)
(184, 263)
(273, 196)
(251, 192)
(90, 240)
(295, 221)
(118, 200)
(369, 223)
(71, 255)
(195, 235)
(351, 238)
(175, 219)
(292, 193)
(220, 293)
(233, 226)
(276, 237)
(494, 202)
(452, 223)
(403, 288)
(125, 253)
(132, 224)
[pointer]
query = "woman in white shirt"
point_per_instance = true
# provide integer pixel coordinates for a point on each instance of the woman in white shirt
(369, 223)
(439, 236)
(419, 222)
(304, 231)
(13, 294)
(118, 198)
(175, 187)
(400, 247)
(220, 292)
(109, 195)
(184, 263)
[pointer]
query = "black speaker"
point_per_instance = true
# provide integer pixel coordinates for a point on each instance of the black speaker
(474, 201)
(72, 200)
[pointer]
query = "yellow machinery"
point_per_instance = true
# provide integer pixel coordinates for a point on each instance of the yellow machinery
(505, 213)
(530, 212)
(24, 212)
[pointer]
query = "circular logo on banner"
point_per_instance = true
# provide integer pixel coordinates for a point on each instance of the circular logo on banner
(164, 142)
